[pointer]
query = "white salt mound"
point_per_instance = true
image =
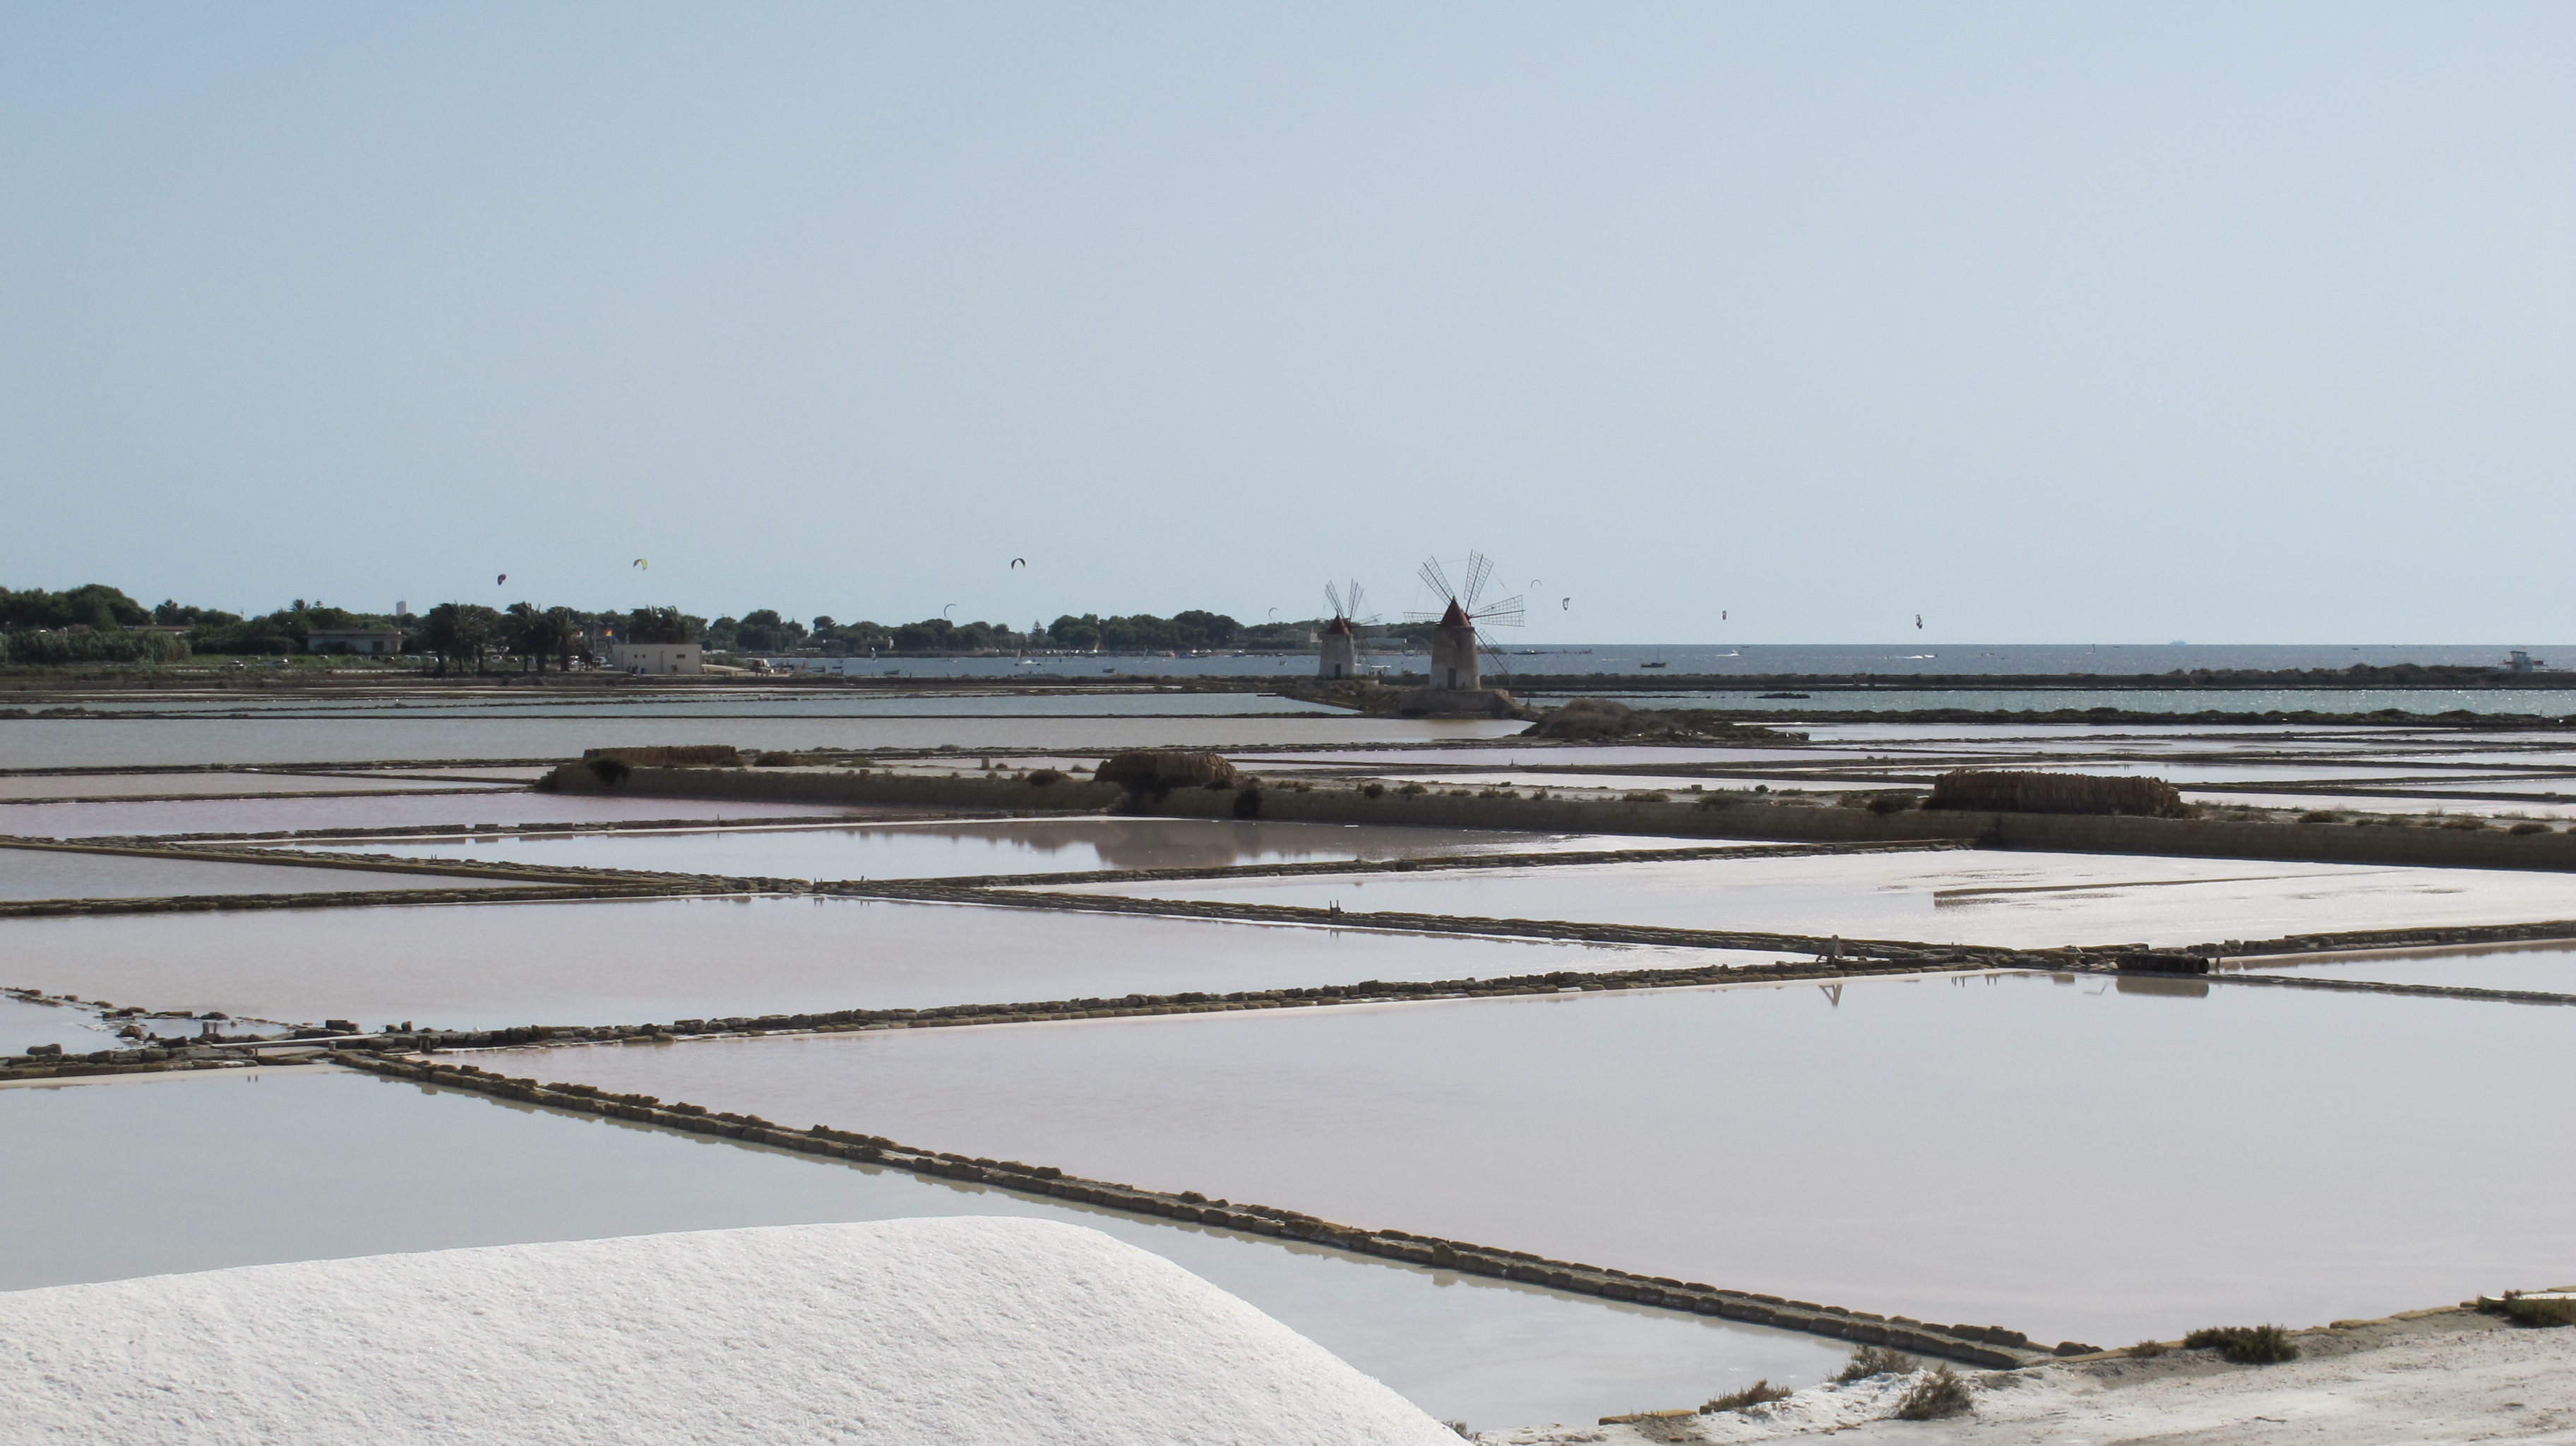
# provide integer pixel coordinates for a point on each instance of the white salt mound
(963, 1331)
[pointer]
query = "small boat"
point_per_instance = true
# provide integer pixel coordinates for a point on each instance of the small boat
(1655, 663)
(1782, 695)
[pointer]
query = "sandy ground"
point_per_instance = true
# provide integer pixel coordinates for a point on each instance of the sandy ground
(2431, 1376)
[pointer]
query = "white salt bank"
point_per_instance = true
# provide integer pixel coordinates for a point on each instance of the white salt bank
(959, 1331)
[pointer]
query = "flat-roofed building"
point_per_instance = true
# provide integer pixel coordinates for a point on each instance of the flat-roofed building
(657, 657)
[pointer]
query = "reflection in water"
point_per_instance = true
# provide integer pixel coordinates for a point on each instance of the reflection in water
(2169, 988)
(1947, 1152)
(997, 846)
(2542, 966)
(381, 1167)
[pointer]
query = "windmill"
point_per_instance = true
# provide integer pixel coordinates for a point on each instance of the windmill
(1460, 633)
(1341, 635)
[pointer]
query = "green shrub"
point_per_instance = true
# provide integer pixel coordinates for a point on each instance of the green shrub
(1884, 804)
(2320, 816)
(2245, 1345)
(1373, 790)
(1044, 777)
(1752, 1395)
(1940, 1393)
(2465, 825)
(1868, 1361)
(1644, 796)
(774, 760)
(1413, 788)
(2524, 830)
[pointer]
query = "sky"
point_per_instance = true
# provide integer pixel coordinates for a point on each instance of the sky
(2234, 322)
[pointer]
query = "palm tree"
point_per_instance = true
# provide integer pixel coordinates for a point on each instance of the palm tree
(459, 631)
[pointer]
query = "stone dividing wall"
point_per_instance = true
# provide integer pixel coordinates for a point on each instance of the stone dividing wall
(353, 899)
(1988, 1346)
(374, 863)
(2064, 833)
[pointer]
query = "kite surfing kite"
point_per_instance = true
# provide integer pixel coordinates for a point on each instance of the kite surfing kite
(1019, 562)
(645, 563)
(505, 577)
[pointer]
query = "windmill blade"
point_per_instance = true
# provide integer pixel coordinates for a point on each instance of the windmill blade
(1504, 614)
(1436, 580)
(1333, 595)
(1355, 596)
(1501, 665)
(1479, 568)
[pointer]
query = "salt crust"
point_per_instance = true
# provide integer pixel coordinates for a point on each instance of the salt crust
(2442, 1383)
(960, 1330)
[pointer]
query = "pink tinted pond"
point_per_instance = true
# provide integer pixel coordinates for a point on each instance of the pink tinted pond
(426, 810)
(1982, 1148)
(2545, 967)
(1962, 896)
(1000, 846)
(27, 873)
(480, 966)
(378, 1167)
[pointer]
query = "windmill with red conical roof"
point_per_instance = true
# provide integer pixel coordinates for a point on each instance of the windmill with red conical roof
(1459, 635)
(1341, 636)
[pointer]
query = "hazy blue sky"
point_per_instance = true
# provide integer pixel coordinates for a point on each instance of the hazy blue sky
(2048, 321)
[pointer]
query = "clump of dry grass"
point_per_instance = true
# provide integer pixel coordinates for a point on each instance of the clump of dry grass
(1753, 1395)
(1940, 1393)
(1157, 771)
(2525, 830)
(2146, 1350)
(2260, 1345)
(1868, 1361)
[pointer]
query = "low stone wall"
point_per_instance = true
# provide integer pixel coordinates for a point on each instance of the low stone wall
(1988, 1346)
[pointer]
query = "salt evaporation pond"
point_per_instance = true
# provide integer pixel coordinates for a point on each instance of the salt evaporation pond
(430, 810)
(1953, 896)
(28, 873)
(1000, 846)
(2548, 968)
(2064, 1158)
(367, 737)
(377, 1167)
(482, 966)
(160, 785)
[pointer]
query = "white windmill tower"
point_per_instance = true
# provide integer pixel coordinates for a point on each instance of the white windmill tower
(1341, 635)
(1460, 634)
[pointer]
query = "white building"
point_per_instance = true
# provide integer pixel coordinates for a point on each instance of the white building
(628, 657)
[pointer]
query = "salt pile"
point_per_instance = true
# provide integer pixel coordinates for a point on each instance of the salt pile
(962, 1331)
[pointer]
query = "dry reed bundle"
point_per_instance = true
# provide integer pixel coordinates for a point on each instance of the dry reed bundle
(668, 755)
(1587, 718)
(2000, 791)
(1160, 770)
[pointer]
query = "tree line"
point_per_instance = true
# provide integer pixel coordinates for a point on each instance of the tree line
(98, 623)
